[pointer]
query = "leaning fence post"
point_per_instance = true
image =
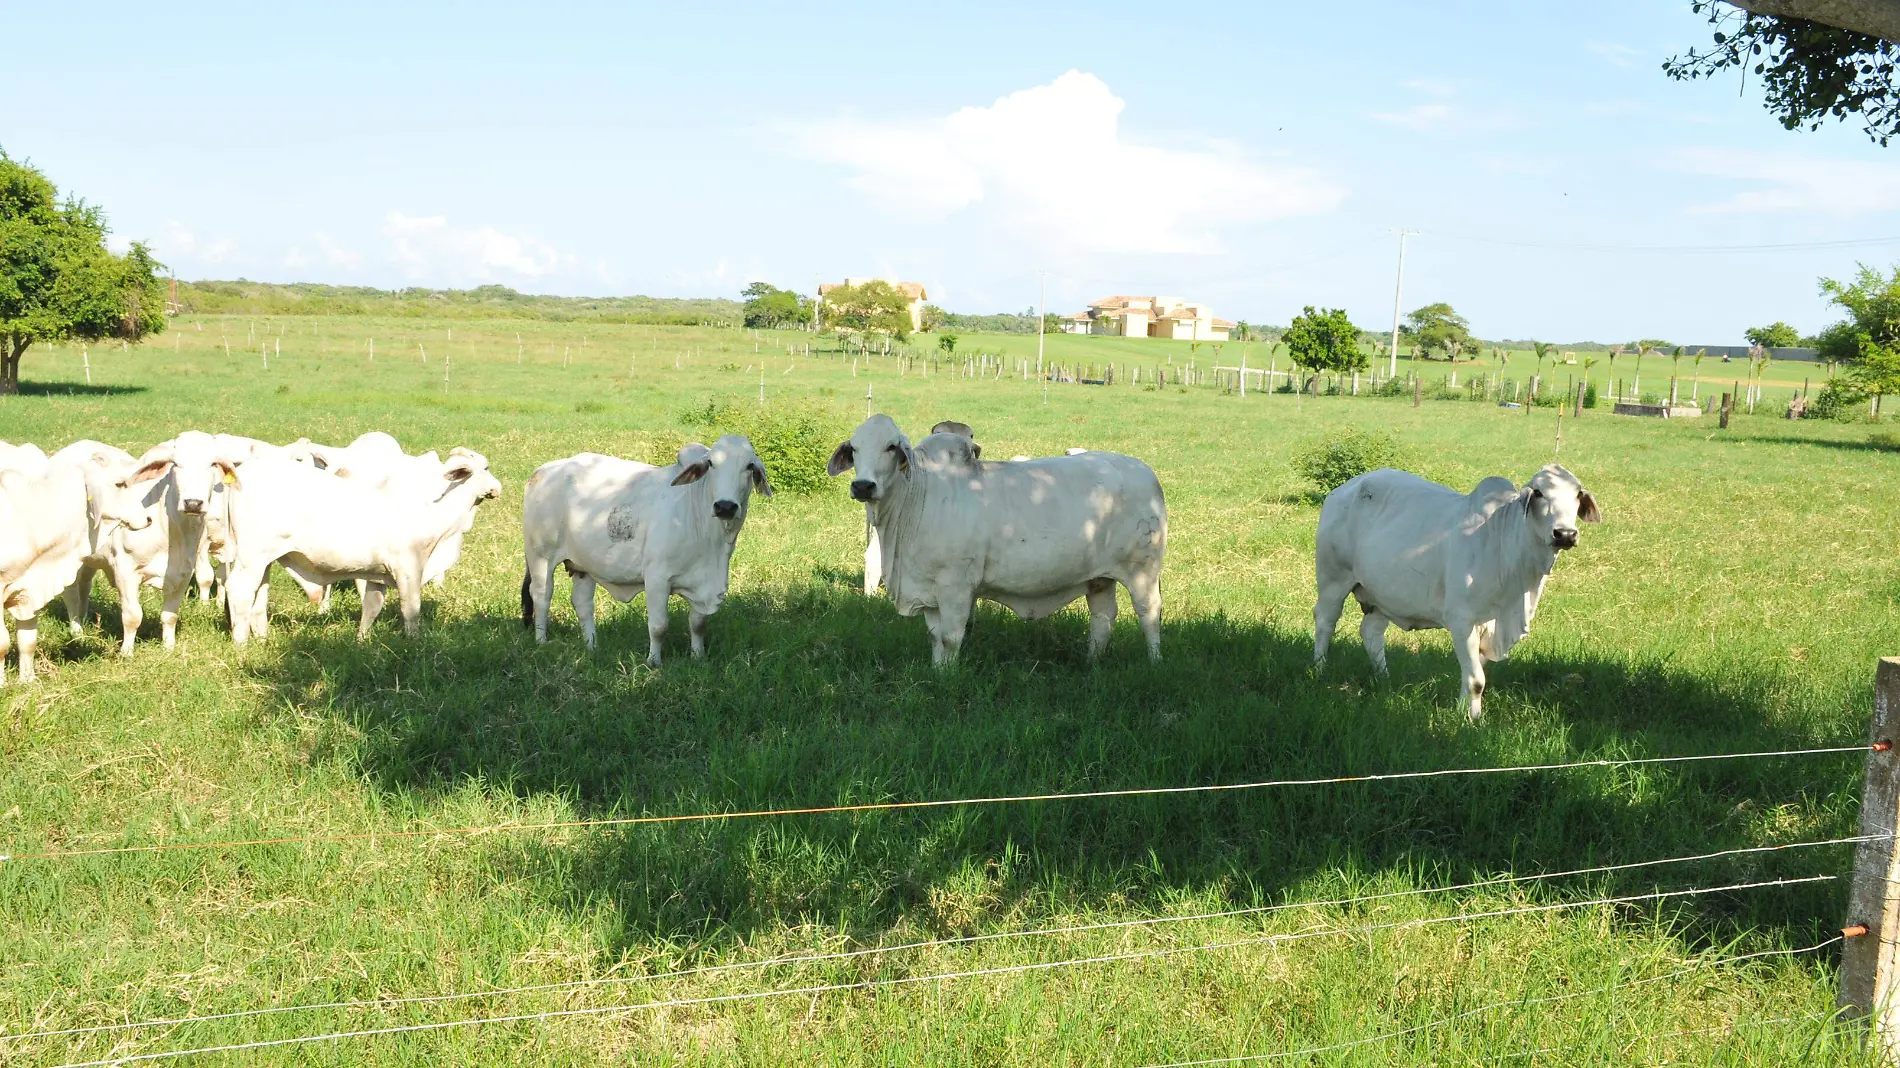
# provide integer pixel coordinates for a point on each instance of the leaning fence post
(1870, 959)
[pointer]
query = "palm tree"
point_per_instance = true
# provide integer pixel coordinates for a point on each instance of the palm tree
(1675, 372)
(1695, 388)
(1615, 351)
(1636, 379)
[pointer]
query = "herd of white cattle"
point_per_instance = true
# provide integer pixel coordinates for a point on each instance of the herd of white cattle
(946, 528)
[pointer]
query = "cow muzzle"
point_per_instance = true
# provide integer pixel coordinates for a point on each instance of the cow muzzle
(725, 509)
(194, 506)
(863, 489)
(1563, 539)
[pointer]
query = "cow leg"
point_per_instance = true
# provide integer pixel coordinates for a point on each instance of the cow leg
(658, 590)
(373, 593)
(5, 641)
(260, 605)
(696, 626)
(540, 582)
(78, 598)
(1326, 612)
(583, 600)
(1144, 591)
(125, 576)
(1372, 636)
(206, 574)
(953, 614)
(29, 645)
(177, 577)
(1465, 640)
(1101, 595)
(873, 556)
(409, 598)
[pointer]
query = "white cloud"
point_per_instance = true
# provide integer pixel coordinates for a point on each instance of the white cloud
(1438, 113)
(1789, 184)
(1053, 159)
(337, 257)
(179, 242)
(294, 257)
(428, 246)
(1620, 55)
(117, 245)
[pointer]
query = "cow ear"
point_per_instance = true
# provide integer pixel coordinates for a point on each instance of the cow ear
(903, 455)
(841, 460)
(759, 481)
(976, 451)
(150, 470)
(1587, 509)
(230, 473)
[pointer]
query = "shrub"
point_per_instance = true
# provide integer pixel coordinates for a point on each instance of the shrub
(1590, 395)
(1834, 403)
(1331, 462)
(793, 440)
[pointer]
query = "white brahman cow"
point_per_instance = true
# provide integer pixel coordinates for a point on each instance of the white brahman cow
(325, 529)
(1032, 535)
(50, 515)
(133, 557)
(192, 470)
(629, 526)
(1419, 555)
(873, 552)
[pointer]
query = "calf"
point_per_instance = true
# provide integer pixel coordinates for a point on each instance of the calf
(1418, 555)
(1032, 536)
(631, 526)
(325, 529)
(132, 556)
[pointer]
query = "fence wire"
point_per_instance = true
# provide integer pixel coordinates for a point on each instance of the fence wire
(898, 806)
(869, 984)
(819, 958)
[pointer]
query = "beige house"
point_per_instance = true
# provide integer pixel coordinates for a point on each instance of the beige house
(1165, 317)
(912, 292)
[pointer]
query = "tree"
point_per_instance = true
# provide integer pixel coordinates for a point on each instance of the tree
(58, 282)
(1775, 335)
(1437, 328)
(1324, 340)
(934, 318)
(948, 343)
(1816, 59)
(873, 307)
(767, 307)
(1869, 341)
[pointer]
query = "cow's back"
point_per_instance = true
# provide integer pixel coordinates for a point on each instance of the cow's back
(1043, 527)
(1384, 533)
(592, 509)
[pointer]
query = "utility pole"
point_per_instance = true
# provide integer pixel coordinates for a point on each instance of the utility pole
(1398, 291)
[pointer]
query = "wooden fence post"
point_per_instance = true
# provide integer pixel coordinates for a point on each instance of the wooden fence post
(1725, 407)
(1418, 390)
(1870, 961)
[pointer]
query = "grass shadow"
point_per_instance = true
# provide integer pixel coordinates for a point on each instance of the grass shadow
(75, 389)
(819, 696)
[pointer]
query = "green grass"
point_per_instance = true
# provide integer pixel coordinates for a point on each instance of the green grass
(1734, 599)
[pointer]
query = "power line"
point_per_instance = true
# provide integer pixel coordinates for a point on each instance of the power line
(1782, 246)
(898, 806)
(1011, 969)
(818, 958)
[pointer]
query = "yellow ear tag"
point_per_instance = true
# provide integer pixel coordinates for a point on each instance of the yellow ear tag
(230, 479)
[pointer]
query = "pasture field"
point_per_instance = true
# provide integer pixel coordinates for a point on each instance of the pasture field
(1733, 600)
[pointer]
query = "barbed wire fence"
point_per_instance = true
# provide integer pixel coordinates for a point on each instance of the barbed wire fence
(1869, 939)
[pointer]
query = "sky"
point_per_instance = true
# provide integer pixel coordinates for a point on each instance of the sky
(1257, 157)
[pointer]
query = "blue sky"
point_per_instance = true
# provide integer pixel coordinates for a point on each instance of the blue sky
(1253, 156)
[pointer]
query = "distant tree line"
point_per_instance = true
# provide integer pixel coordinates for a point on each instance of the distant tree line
(244, 297)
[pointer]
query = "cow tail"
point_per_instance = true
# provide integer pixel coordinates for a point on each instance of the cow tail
(527, 600)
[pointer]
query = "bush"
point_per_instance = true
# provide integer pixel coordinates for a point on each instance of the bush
(1834, 403)
(1590, 395)
(1331, 462)
(793, 440)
